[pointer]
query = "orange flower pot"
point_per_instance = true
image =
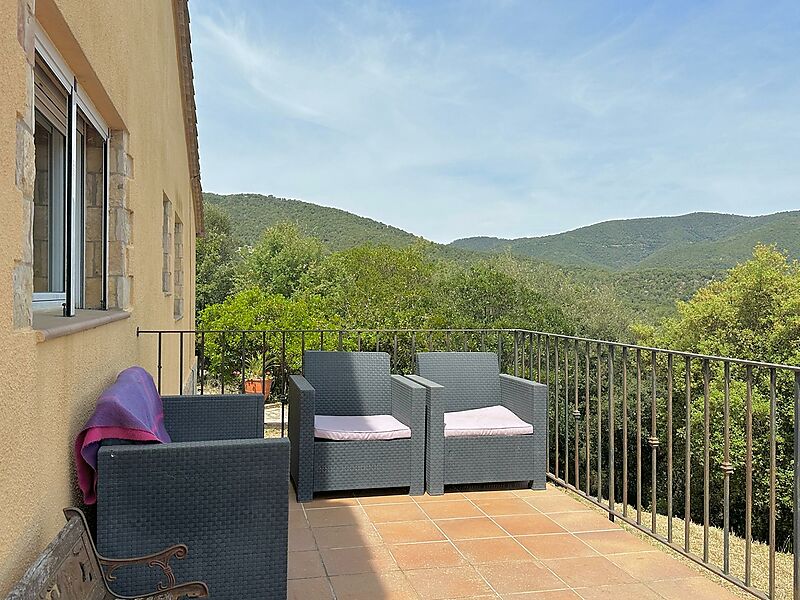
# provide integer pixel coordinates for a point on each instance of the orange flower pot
(256, 386)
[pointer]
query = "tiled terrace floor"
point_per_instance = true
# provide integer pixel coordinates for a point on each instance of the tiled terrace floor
(511, 544)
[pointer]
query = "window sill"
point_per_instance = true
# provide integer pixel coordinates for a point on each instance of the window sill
(50, 325)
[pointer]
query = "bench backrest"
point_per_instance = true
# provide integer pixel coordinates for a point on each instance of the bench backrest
(470, 379)
(349, 383)
(68, 569)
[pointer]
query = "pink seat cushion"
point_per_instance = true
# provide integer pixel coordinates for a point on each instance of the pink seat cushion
(492, 420)
(369, 427)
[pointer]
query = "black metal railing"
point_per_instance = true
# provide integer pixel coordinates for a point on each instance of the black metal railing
(697, 451)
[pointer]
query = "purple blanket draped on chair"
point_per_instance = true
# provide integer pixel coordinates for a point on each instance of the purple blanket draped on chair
(130, 409)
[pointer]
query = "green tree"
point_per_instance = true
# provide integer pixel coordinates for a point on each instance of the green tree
(217, 255)
(280, 261)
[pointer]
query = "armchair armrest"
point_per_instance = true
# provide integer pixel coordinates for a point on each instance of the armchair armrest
(301, 435)
(214, 417)
(527, 399)
(434, 413)
(223, 499)
(408, 407)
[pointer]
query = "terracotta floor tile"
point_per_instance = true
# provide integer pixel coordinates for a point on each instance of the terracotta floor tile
(452, 582)
(348, 561)
(385, 499)
(467, 529)
(652, 566)
(297, 519)
(385, 513)
(493, 550)
(507, 578)
(404, 532)
(615, 542)
(550, 595)
(457, 509)
(550, 503)
(625, 591)
(695, 588)
(305, 565)
(563, 545)
(346, 536)
(307, 589)
(583, 521)
(446, 497)
(505, 506)
(590, 571)
(528, 524)
(301, 539)
(373, 586)
(333, 517)
(410, 557)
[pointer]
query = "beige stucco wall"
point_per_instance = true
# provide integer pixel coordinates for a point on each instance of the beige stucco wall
(48, 388)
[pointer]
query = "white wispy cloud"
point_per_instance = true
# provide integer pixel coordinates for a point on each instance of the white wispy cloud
(515, 118)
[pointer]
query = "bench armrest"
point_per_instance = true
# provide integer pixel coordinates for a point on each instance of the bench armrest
(214, 417)
(526, 399)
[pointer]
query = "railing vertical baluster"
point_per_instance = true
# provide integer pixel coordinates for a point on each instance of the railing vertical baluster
(625, 431)
(242, 359)
(465, 337)
(687, 472)
(483, 340)
(223, 365)
(638, 436)
(159, 362)
(727, 469)
(201, 364)
(339, 344)
(430, 341)
(285, 377)
(303, 344)
(557, 405)
(706, 456)
(611, 428)
(500, 350)
(587, 426)
(264, 389)
(358, 342)
(413, 352)
(653, 446)
(773, 467)
(599, 425)
(516, 354)
(549, 392)
(180, 363)
(566, 412)
(576, 415)
(748, 475)
(394, 352)
(796, 500)
(448, 341)
(523, 354)
(538, 358)
(322, 340)
(670, 371)
(377, 340)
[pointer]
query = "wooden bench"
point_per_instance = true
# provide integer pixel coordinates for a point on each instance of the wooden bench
(71, 569)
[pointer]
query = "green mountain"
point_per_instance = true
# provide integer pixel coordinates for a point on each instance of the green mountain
(695, 241)
(251, 214)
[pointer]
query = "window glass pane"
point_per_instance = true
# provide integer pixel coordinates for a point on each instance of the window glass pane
(48, 208)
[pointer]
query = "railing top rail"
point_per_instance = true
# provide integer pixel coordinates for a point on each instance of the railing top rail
(683, 353)
(630, 346)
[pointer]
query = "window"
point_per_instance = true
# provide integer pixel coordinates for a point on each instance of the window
(166, 246)
(178, 269)
(70, 219)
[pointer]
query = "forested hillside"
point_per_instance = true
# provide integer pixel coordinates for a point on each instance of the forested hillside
(697, 241)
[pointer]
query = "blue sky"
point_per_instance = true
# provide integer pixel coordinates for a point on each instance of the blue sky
(502, 117)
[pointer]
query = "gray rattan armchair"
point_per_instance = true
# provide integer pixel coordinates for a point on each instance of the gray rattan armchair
(459, 381)
(220, 488)
(354, 383)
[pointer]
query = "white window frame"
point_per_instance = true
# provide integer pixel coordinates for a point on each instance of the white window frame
(77, 99)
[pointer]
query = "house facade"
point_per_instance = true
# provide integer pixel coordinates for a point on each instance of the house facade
(101, 203)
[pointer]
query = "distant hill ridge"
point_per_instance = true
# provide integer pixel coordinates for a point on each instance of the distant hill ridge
(704, 241)
(692, 241)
